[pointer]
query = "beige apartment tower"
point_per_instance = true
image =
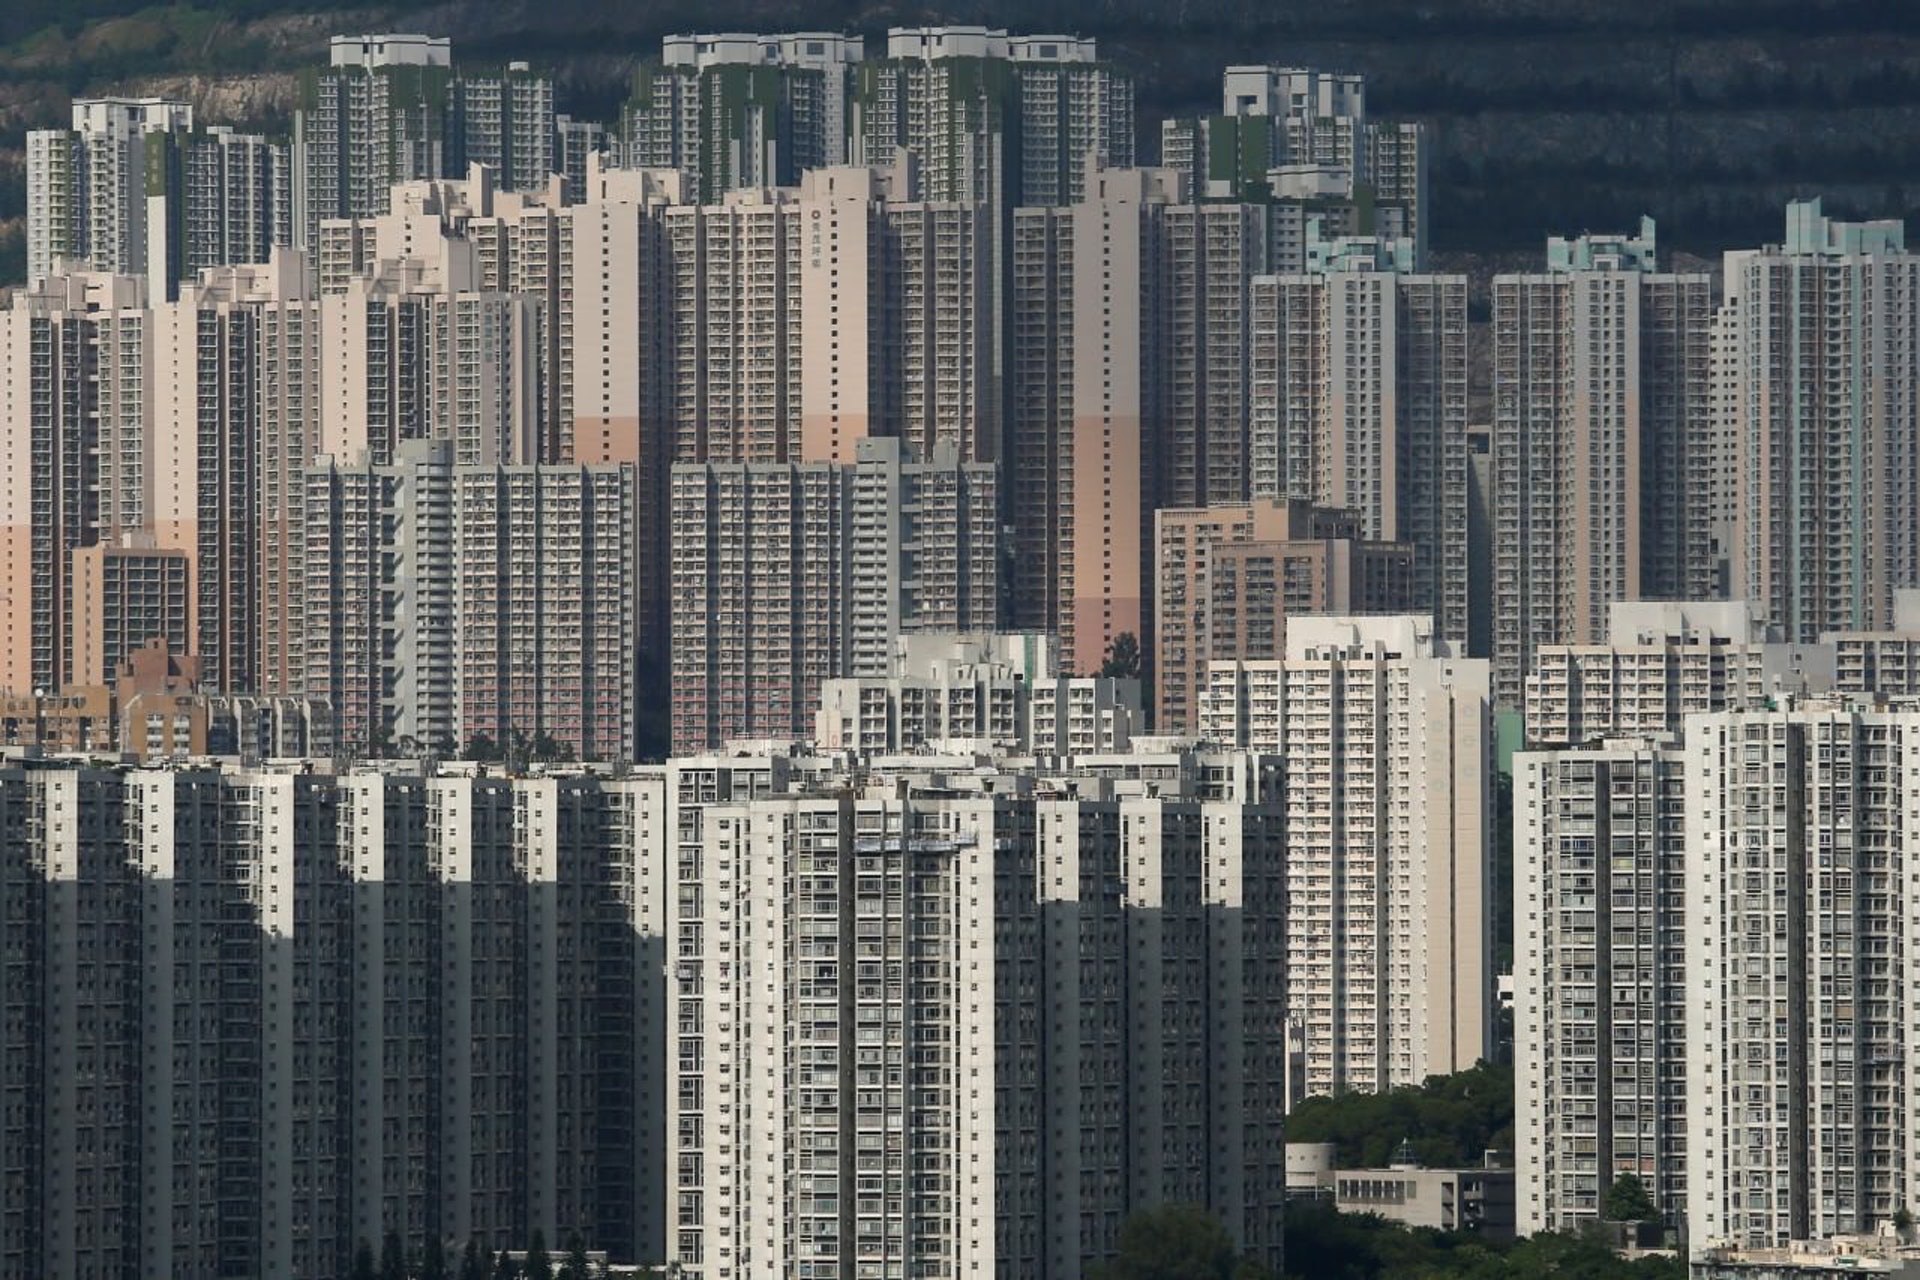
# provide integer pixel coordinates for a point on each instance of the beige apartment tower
(1387, 743)
(1358, 400)
(1227, 578)
(1603, 446)
(1817, 368)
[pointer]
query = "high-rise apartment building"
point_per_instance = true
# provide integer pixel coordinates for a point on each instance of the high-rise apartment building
(993, 119)
(1358, 400)
(1662, 662)
(1600, 988)
(949, 934)
(1298, 139)
(546, 606)
(133, 188)
(447, 603)
(1227, 578)
(503, 118)
(1799, 830)
(373, 117)
(120, 598)
(576, 144)
(732, 111)
(86, 186)
(1086, 319)
(169, 422)
(406, 357)
(75, 383)
(379, 577)
(1208, 258)
(1816, 366)
(995, 692)
(390, 109)
(1387, 746)
(439, 1007)
(1885, 662)
(305, 1011)
(1603, 445)
(803, 321)
(273, 309)
(785, 575)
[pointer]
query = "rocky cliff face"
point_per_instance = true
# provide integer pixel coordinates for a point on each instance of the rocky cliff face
(1548, 116)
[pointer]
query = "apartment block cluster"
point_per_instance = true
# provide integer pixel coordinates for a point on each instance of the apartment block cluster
(1082, 602)
(1712, 833)
(799, 307)
(958, 993)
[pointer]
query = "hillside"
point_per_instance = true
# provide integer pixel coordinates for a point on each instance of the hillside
(1547, 115)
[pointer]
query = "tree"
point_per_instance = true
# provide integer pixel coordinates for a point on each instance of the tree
(538, 1267)
(1326, 1244)
(504, 1268)
(433, 1260)
(1628, 1201)
(363, 1262)
(1177, 1242)
(518, 751)
(546, 747)
(577, 1266)
(1449, 1121)
(483, 748)
(1123, 658)
(393, 1258)
(472, 1265)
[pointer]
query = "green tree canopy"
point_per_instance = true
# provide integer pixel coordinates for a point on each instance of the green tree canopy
(1628, 1201)
(1177, 1242)
(1448, 1122)
(1123, 658)
(577, 1266)
(1325, 1244)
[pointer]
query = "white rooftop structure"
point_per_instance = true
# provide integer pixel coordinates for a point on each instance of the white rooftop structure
(821, 49)
(933, 43)
(392, 50)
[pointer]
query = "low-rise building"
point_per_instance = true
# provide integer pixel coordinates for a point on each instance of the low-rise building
(1473, 1200)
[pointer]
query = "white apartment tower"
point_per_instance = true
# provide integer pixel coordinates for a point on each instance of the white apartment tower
(993, 119)
(390, 109)
(1661, 662)
(1600, 990)
(1387, 743)
(735, 111)
(913, 948)
(86, 186)
(134, 188)
(447, 603)
(1799, 828)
